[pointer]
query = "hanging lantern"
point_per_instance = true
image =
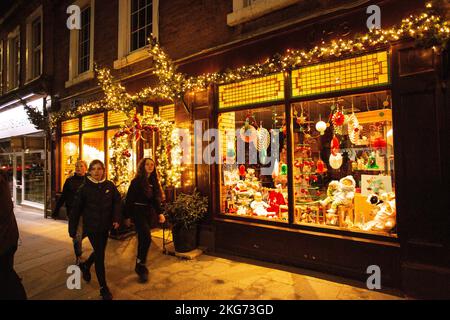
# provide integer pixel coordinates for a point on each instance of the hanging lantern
(263, 137)
(336, 160)
(242, 170)
(335, 145)
(321, 127)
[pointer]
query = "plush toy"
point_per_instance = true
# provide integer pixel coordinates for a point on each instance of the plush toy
(345, 193)
(258, 205)
(336, 160)
(333, 187)
(385, 217)
(242, 210)
(275, 200)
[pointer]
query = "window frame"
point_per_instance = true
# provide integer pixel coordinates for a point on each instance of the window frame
(125, 56)
(74, 75)
(30, 50)
(244, 13)
(16, 65)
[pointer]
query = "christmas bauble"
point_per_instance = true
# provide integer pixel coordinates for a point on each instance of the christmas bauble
(336, 160)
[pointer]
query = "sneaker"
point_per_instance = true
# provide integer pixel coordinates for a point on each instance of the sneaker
(142, 272)
(105, 293)
(86, 271)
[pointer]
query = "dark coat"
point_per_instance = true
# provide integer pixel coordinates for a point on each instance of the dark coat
(9, 233)
(99, 203)
(70, 188)
(142, 201)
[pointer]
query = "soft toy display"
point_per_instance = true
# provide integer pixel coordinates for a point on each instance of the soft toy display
(230, 177)
(345, 194)
(333, 187)
(258, 206)
(385, 217)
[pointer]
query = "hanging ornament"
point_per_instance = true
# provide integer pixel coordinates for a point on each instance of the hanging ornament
(263, 156)
(321, 167)
(379, 143)
(301, 119)
(335, 145)
(284, 169)
(321, 126)
(354, 129)
(263, 138)
(242, 170)
(248, 132)
(338, 118)
(336, 160)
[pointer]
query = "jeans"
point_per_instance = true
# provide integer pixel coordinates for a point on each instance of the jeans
(142, 220)
(78, 239)
(11, 287)
(98, 241)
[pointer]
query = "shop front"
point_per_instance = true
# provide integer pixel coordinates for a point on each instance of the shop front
(317, 177)
(323, 166)
(23, 155)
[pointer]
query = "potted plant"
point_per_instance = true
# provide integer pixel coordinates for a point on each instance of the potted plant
(183, 214)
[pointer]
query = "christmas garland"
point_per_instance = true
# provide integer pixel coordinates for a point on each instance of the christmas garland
(427, 29)
(168, 152)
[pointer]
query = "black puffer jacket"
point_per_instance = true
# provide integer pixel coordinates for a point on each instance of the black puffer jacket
(9, 233)
(69, 190)
(137, 196)
(99, 203)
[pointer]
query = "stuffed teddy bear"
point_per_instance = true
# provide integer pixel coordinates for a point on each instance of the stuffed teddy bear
(333, 187)
(344, 194)
(258, 205)
(385, 213)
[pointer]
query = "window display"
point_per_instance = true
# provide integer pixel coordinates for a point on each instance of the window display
(254, 170)
(93, 146)
(70, 153)
(343, 163)
(131, 164)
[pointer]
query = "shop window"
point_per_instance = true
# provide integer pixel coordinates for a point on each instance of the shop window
(344, 163)
(95, 121)
(70, 153)
(70, 126)
(254, 169)
(167, 112)
(93, 146)
(248, 92)
(148, 111)
(34, 177)
(358, 72)
(116, 118)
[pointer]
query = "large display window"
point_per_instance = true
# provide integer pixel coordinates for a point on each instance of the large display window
(344, 163)
(254, 169)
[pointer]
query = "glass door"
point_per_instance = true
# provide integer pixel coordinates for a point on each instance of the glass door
(18, 179)
(34, 178)
(7, 165)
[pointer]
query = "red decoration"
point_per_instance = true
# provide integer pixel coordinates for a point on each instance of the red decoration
(335, 145)
(321, 168)
(242, 170)
(338, 118)
(379, 143)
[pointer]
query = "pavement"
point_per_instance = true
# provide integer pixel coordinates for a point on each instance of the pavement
(45, 251)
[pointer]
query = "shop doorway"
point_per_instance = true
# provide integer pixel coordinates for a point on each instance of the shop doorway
(28, 177)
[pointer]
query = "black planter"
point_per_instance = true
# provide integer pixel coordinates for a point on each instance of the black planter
(184, 239)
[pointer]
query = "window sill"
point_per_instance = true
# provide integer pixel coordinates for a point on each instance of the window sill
(88, 75)
(32, 79)
(256, 10)
(133, 57)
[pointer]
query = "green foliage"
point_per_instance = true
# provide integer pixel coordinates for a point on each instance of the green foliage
(187, 209)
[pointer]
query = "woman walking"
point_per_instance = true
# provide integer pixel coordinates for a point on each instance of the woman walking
(98, 203)
(143, 204)
(68, 196)
(11, 287)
